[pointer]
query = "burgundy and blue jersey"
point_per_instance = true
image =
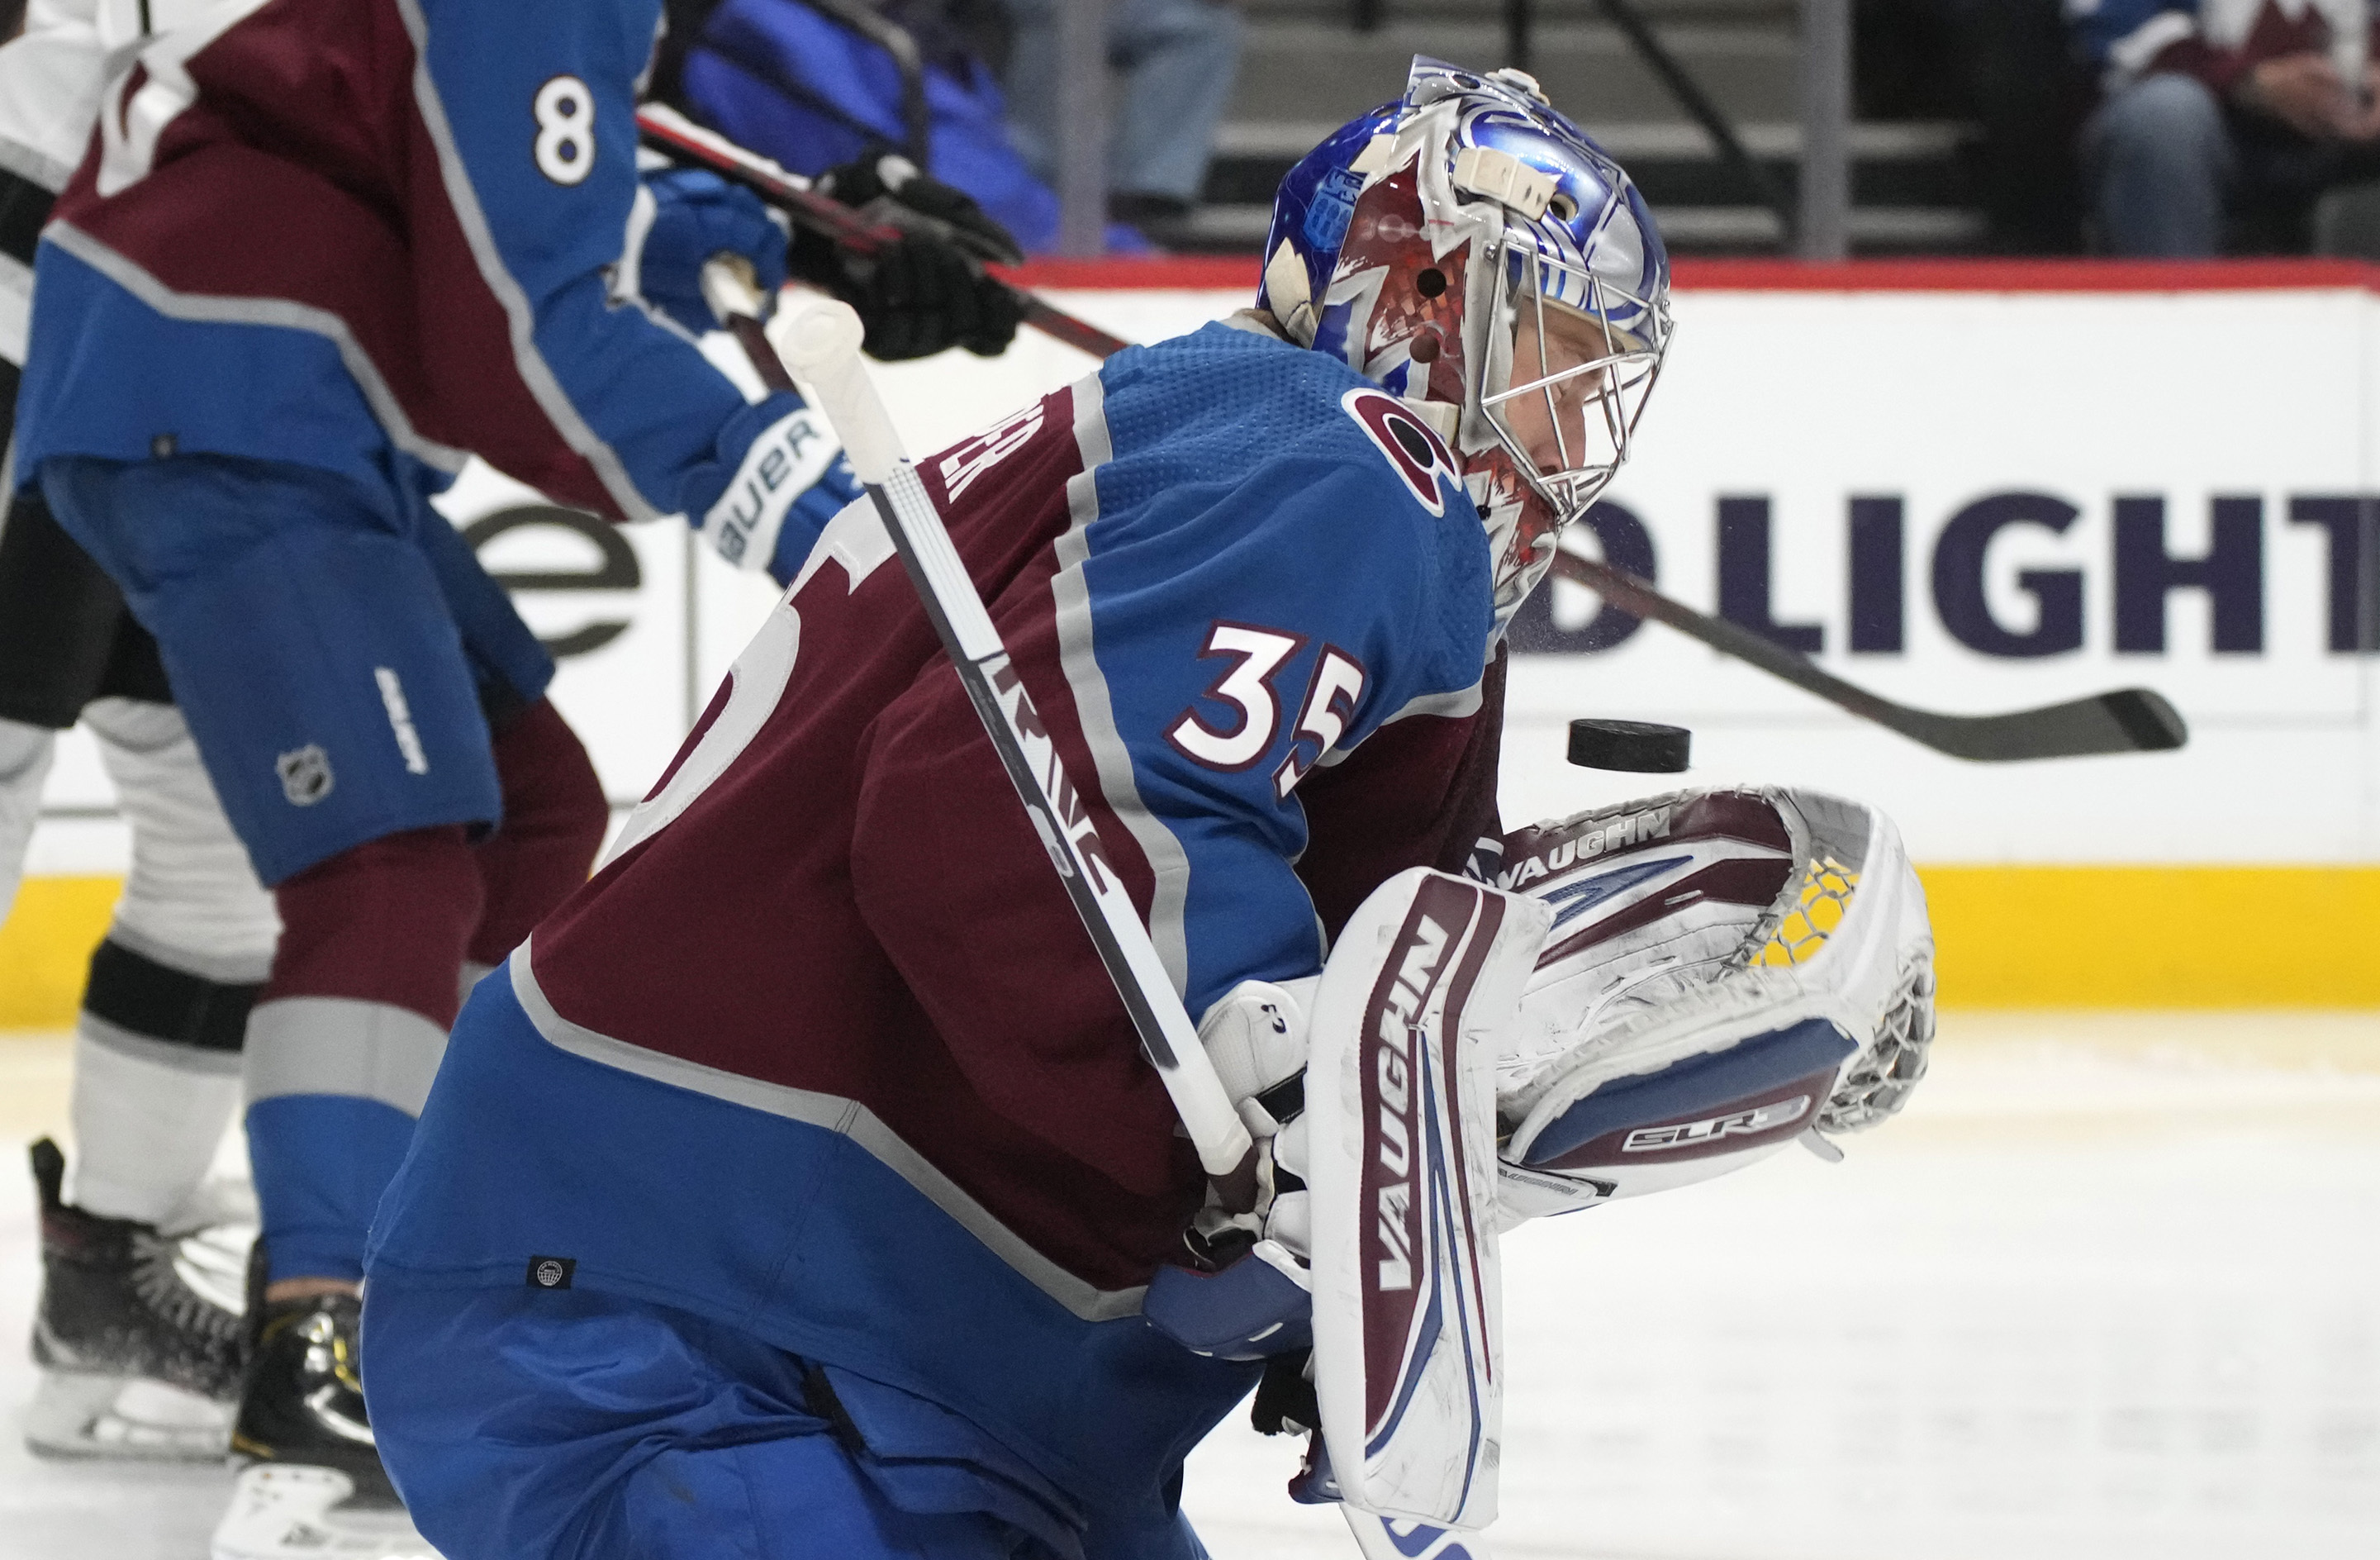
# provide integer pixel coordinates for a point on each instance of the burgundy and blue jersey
(822, 1049)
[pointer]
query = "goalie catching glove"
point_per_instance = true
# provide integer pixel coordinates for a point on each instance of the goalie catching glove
(1727, 970)
(1669, 990)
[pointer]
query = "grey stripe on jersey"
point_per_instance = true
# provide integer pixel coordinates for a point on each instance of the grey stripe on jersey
(1077, 657)
(208, 309)
(1462, 701)
(535, 372)
(834, 1114)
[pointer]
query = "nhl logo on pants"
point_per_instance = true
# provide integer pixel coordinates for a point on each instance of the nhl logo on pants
(305, 774)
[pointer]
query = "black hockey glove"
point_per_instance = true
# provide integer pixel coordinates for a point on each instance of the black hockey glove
(889, 189)
(925, 293)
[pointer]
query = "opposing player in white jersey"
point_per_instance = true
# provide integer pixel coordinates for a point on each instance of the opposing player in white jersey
(134, 1361)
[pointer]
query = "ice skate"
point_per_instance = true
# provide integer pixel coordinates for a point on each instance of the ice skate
(137, 1360)
(281, 1511)
(316, 1487)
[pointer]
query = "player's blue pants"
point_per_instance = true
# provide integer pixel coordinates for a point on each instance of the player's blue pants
(526, 1423)
(312, 640)
(334, 646)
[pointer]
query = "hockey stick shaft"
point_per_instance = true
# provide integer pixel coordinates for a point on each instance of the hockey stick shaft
(2131, 720)
(2126, 721)
(822, 344)
(667, 130)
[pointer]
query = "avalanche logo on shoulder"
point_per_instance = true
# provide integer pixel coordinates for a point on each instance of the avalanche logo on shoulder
(1414, 451)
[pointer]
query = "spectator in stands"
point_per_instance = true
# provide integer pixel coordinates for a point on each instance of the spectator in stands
(2222, 120)
(1177, 58)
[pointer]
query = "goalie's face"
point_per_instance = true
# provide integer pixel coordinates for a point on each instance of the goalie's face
(1564, 361)
(1564, 403)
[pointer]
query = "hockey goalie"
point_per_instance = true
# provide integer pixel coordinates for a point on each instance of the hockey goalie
(800, 1189)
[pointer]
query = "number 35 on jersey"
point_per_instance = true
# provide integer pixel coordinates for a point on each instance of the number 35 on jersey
(1256, 656)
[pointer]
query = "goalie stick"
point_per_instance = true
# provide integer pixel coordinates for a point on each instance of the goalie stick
(820, 345)
(666, 130)
(2130, 719)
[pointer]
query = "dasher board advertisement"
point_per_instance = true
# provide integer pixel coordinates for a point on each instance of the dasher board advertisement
(1968, 499)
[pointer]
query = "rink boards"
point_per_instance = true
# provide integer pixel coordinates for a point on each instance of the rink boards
(1969, 487)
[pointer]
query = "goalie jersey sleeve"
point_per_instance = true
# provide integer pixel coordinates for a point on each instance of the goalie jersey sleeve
(408, 206)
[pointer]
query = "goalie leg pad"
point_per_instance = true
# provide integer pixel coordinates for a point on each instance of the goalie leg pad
(1400, 1112)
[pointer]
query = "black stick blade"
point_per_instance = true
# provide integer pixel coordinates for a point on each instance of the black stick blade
(2131, 720)
(2156, 727)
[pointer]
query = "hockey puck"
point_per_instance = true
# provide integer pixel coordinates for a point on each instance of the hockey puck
(1640, 747)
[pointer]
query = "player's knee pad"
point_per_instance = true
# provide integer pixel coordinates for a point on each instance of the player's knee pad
(191, 899)
(1727, 969)
(554, 822)
(348, 1035)
(145, 992)
(1375, 1230)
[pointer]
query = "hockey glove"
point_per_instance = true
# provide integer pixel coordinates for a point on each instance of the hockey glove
(925, 293)
(890, 190)
(1731, 968)
(1245, 1293)
(777, 477)
(696, 215)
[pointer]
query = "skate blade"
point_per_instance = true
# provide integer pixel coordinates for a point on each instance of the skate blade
(124, 1417)
(285, 1511)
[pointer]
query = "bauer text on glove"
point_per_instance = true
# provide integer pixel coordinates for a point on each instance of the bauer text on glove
(777, 476)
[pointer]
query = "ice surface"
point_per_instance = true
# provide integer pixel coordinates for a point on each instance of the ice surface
(2110, 1289)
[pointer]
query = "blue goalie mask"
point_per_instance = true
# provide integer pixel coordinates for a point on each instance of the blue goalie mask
(1471, 250)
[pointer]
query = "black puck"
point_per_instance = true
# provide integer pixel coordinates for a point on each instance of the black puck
(1639, 746)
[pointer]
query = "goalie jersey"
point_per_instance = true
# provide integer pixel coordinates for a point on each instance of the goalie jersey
(823, 1051)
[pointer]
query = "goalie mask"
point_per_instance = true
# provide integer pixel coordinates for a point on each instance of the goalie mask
(1470, 250)
(1727, 970)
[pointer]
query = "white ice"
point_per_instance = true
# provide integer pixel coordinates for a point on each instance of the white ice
(2110, 1290)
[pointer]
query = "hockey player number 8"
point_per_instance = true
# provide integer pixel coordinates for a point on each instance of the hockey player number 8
(566, 129)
